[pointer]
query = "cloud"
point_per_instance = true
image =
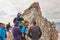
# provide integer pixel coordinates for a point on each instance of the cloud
(50, 8)
(2, 13)
(12, 7)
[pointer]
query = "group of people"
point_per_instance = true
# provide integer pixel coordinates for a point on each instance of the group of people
(3, 29)
(19, 30)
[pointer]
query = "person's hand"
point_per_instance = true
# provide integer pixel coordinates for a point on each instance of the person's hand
(23, 35)
(26, 37)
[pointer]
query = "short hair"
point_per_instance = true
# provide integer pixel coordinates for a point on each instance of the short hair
(0, 24)
(34, 23)
(19, 14)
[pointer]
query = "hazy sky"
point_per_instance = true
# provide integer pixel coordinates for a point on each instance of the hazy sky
(9, 8)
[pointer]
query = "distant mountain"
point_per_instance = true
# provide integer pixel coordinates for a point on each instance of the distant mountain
(58, 27)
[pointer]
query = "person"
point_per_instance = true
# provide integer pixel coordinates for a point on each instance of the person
(24, 29)
(18, 18)
(16, 31)
(8, 27)
(34, 32)
(26, 24)
(0, 24)
(2, 31)
(9, 32)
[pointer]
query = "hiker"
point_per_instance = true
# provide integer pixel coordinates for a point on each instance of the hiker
(9, 32)
(21, 24)
(8, 27)
(2, 32)
(24, 25)
(0, 24)
(16, 31)
(23, 30)
(18, 18)
(34, 32)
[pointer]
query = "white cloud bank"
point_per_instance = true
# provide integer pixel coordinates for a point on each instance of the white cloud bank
(50, 9)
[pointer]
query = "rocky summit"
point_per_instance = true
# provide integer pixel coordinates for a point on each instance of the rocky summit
(48, 28)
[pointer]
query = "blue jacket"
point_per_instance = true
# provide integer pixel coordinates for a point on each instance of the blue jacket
(2, 33)
(22, 27)
(23, 30)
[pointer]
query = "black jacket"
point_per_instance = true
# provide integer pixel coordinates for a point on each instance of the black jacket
(34, 32)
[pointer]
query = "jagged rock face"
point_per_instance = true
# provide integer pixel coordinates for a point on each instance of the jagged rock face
(48, 29)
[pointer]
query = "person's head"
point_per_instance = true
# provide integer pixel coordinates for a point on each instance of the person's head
(16, 23)
(19, 14)
(34, 23)
(0, 24)
(26, 24)
(3, 25)
(9, 23)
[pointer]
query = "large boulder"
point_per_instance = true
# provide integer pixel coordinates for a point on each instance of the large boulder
(48, 28)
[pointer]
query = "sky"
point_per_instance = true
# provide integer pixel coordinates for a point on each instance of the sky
(9, 8)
